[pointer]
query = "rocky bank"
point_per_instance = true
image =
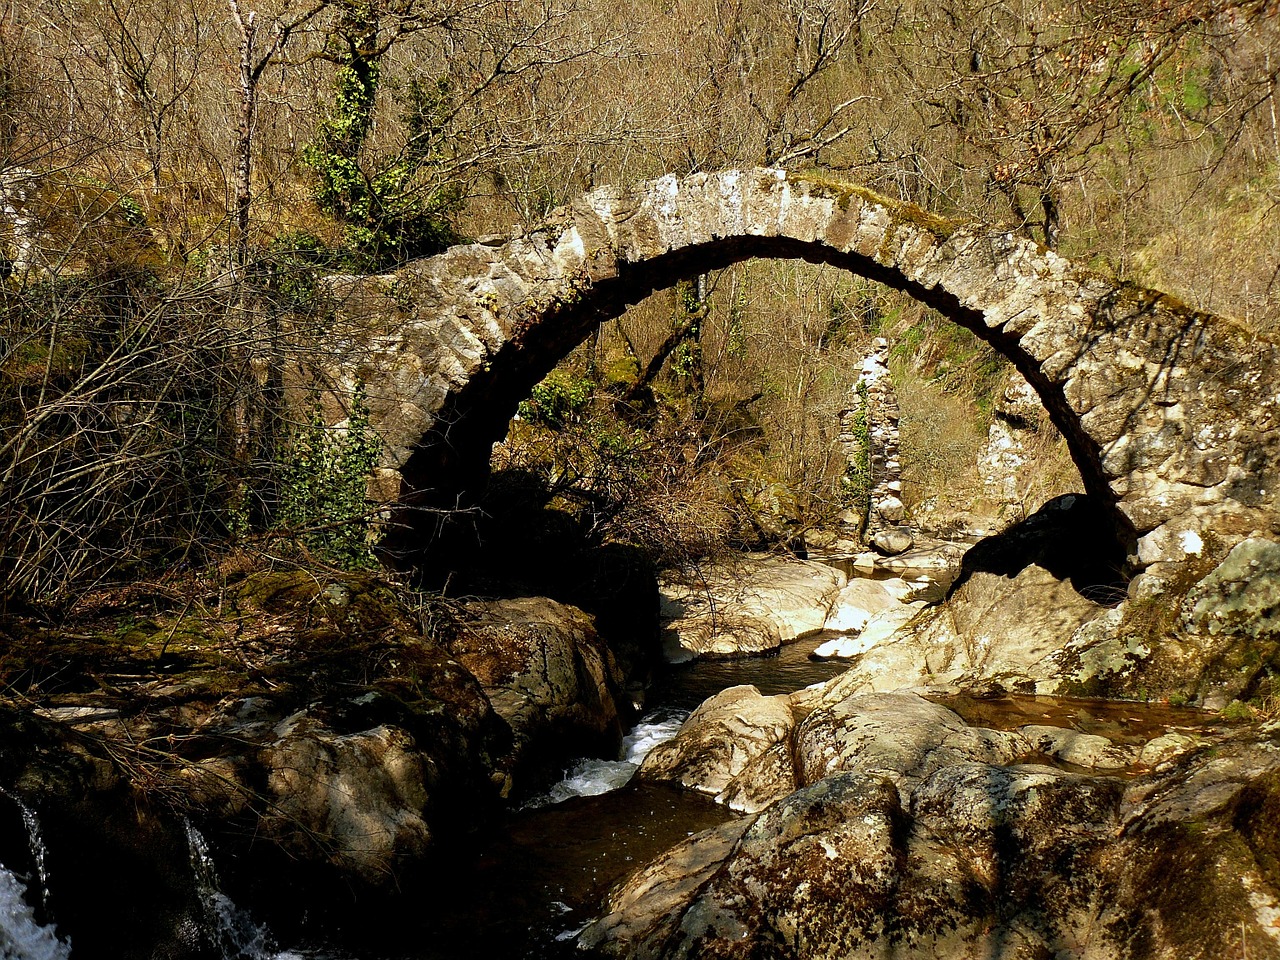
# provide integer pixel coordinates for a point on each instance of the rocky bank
(877, 822)
(888, 826)
(335, 744)
(342, 741)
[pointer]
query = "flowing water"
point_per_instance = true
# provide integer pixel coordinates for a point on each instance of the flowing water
(39, 854)
(230, 928)
(684, 686)
(541, 875)
(536, 880)
(22, 935)
(591, 777)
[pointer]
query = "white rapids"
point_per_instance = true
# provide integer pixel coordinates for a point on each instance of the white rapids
(22, 937)
(233, 930)
(592, 777)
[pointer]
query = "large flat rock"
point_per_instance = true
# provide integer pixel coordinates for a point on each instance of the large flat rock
(752, 605)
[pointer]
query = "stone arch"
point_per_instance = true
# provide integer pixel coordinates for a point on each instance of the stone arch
(1170, 413)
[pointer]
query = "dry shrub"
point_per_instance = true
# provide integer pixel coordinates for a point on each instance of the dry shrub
(941, 440)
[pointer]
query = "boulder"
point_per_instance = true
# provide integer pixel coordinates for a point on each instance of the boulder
(940, 557)
(720, 740)
(879, 628)
(751, 606)
(364, 792)
(966, 858)
(893, 540)
(765, 779)
(1206, 632)
(548, 675)
(643, 909)
(1232, 619)
(857, 603)
(365, 786)
(1078, 749)
(898, 736)
(891, 509)
(992, 628)
(900, 589)
(1166, 747)
(998, 624)
(747, 751)
(842, 648)
(865, 563)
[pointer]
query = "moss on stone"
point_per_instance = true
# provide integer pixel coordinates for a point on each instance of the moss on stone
(621, 372)
(899, 212)
(278, 589)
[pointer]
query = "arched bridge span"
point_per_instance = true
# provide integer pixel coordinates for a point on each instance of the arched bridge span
(1170, 414)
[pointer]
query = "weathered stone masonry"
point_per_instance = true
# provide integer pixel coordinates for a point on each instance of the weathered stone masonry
(1170, 414)
(869, 435)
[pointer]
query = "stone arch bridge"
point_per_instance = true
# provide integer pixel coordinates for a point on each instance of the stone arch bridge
(1172, 415)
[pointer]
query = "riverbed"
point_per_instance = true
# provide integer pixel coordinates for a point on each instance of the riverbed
(542, 873)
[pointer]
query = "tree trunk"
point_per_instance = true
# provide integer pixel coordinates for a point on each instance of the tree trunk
(244, 142)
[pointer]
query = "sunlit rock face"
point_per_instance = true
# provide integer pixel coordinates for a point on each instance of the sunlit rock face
(915, 835)
(751, 605)
(727, 749)
(1040, 609)
(1169, 413)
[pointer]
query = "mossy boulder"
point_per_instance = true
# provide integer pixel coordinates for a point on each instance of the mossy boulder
(1208, 631)
(548, 675)
(1240, 597)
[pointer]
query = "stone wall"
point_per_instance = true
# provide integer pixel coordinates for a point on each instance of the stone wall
(1171, 415)
(869, 434)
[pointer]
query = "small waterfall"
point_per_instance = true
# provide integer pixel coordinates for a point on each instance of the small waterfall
(231, 928)
(35, 841)
(590, 777)
(22, 937)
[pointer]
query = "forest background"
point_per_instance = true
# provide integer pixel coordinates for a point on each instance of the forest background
(178, 177)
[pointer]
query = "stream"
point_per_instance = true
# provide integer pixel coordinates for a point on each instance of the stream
(541, 875)
(536, 880)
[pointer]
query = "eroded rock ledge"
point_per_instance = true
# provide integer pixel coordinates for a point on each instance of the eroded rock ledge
(334, 745)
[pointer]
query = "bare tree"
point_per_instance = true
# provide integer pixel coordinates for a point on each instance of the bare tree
(252, 63)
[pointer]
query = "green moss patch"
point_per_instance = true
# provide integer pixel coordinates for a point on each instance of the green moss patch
(899, 212)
